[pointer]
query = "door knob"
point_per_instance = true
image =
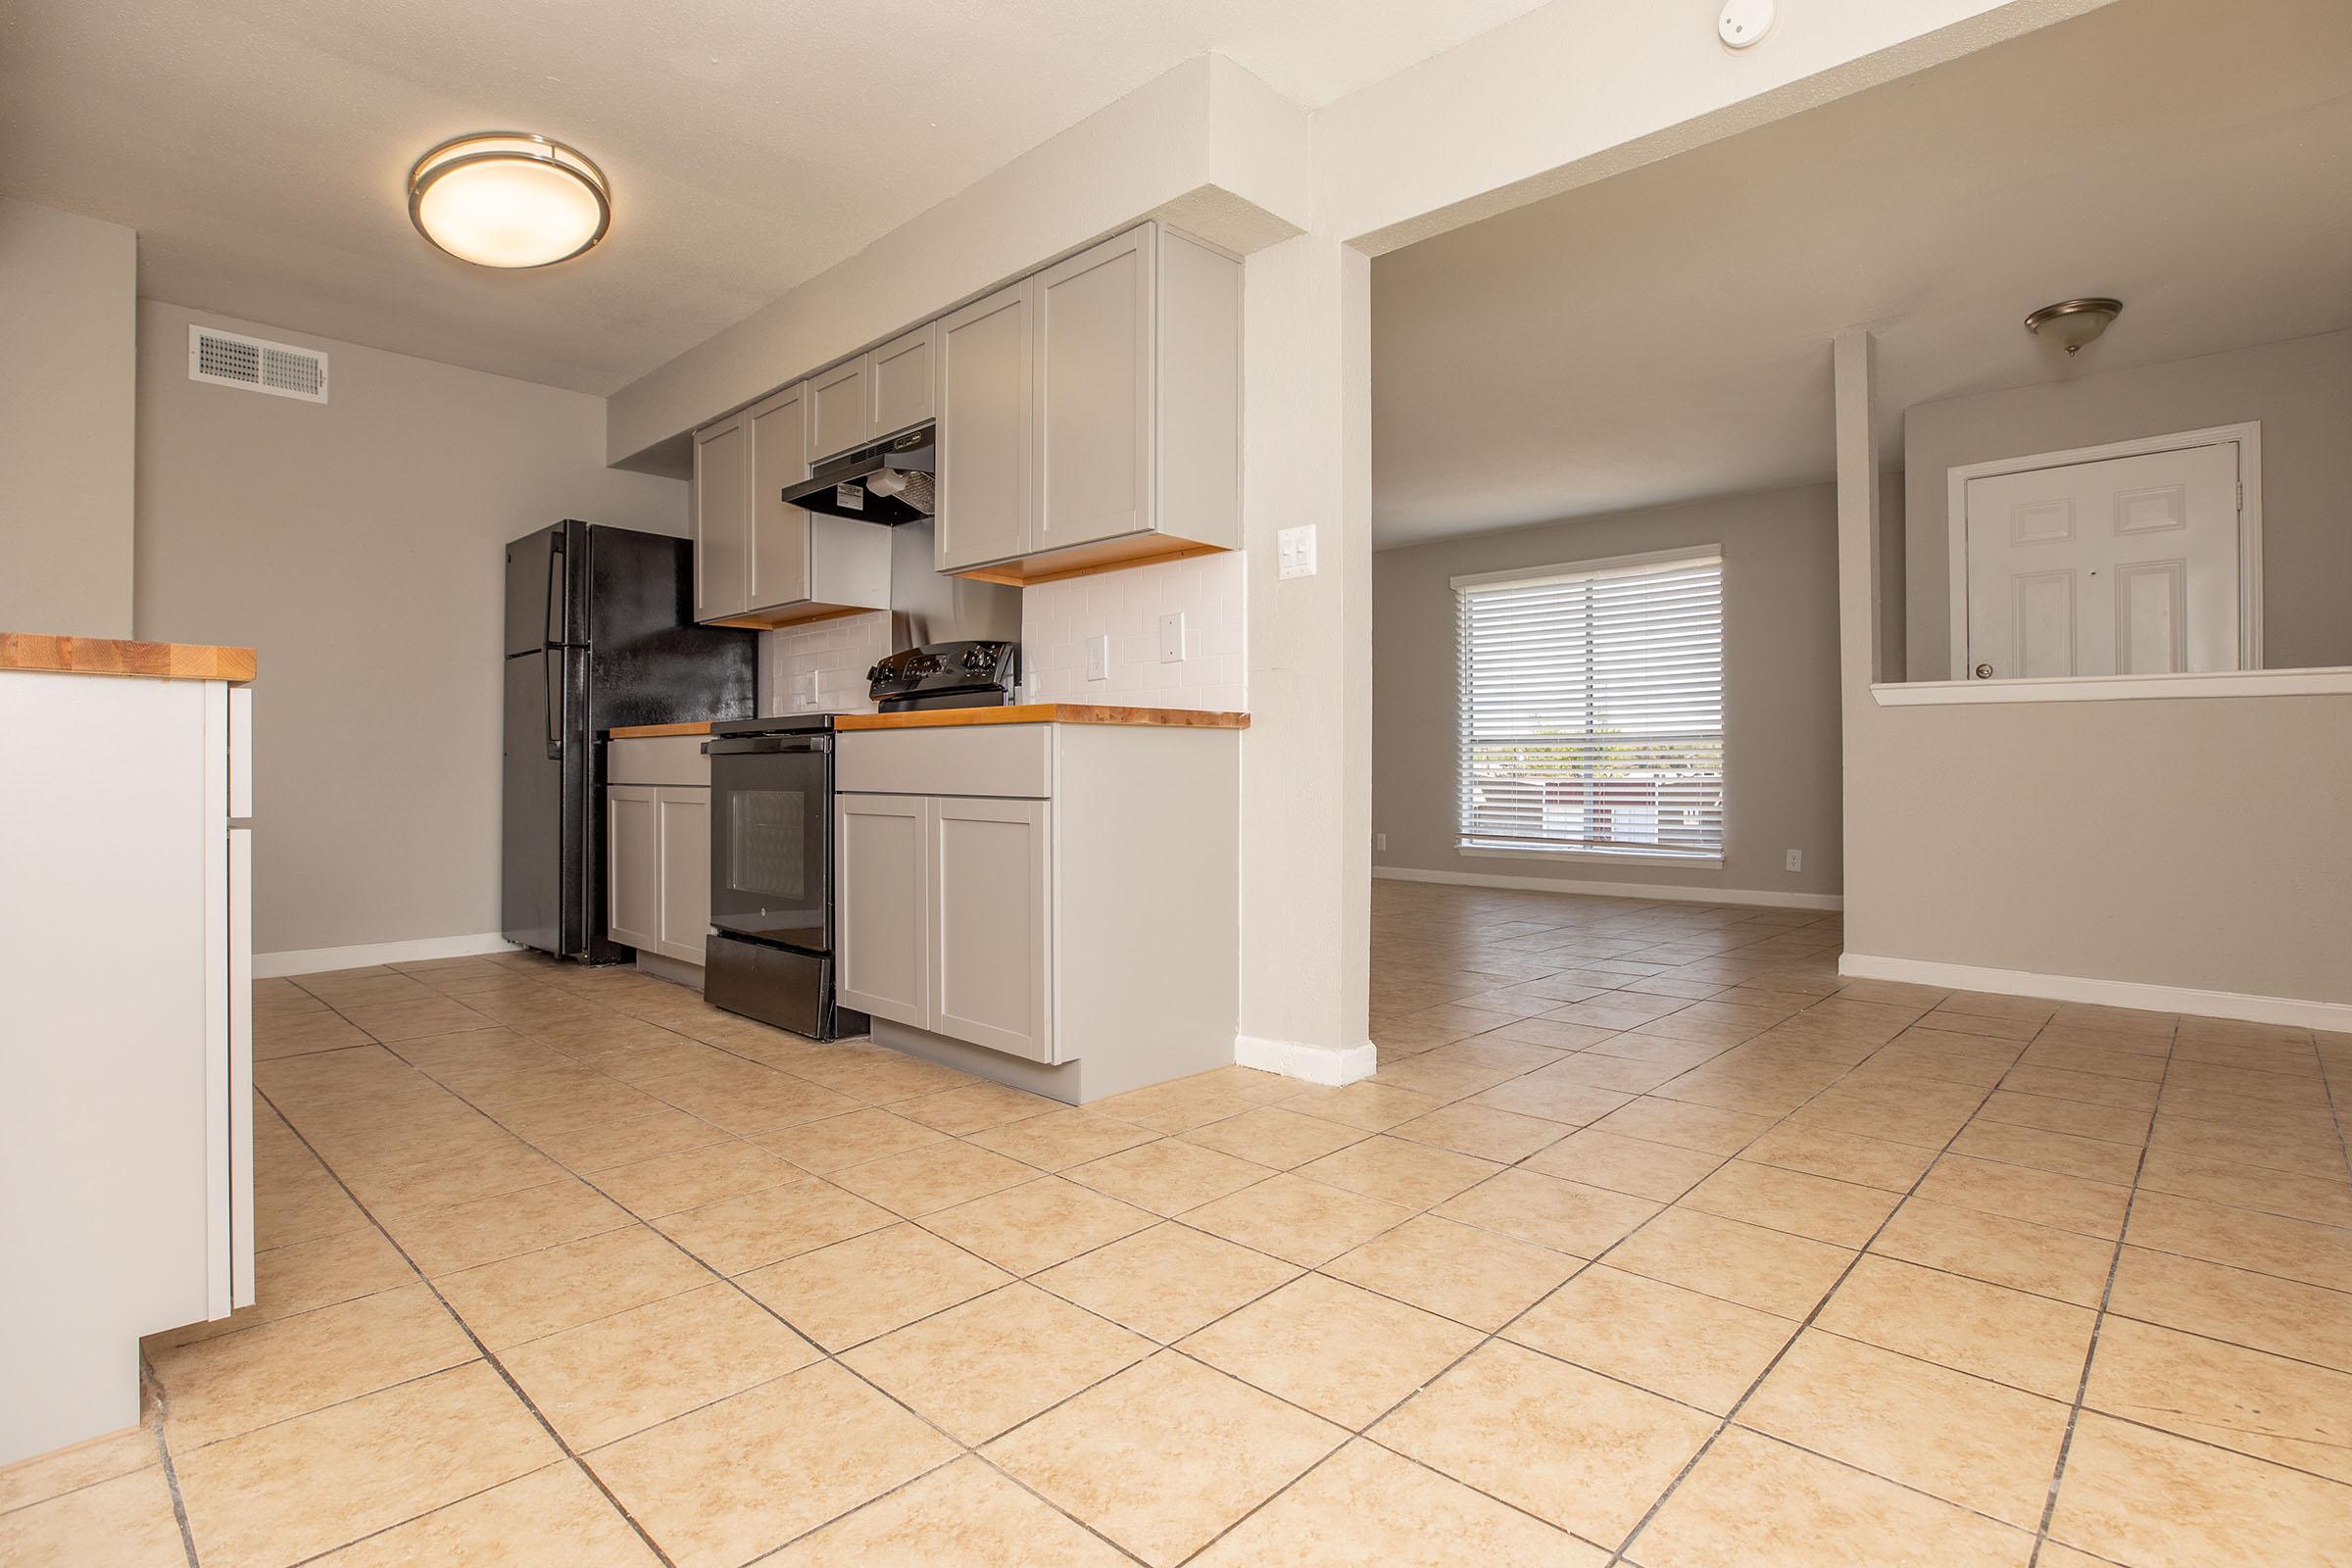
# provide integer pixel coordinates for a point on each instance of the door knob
(1984, 672)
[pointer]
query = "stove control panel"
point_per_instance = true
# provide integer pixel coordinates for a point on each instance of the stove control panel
(960, 674)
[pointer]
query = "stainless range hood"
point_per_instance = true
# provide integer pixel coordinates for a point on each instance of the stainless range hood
(888, 482)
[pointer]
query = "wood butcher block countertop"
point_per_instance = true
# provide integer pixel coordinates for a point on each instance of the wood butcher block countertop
(107, 655)
(638, 732)
(1047, 714)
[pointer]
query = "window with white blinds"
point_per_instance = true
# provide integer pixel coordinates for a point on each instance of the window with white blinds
(1592, 707)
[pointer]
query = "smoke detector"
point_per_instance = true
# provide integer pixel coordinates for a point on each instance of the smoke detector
(1744, 22)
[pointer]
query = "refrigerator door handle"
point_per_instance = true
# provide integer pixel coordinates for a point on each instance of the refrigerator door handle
(558, 694)
(557, 603)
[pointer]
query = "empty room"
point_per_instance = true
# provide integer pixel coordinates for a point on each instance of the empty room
(1525, 784)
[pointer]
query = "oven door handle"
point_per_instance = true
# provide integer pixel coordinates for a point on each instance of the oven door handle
(767, 745)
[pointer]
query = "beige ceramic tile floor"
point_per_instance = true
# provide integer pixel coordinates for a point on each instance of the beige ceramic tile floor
(1651, 1242)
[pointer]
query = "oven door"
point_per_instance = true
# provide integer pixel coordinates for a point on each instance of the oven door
(772, 839)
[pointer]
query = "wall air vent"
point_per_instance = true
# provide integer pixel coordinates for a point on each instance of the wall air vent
(279, 368)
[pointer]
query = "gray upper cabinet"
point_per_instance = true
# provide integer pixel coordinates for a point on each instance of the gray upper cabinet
(721, 519)
(779, 534)
(839, 414)
(1090, 416)
(1091, 331)
(899, 384)
(758, 561)
(1127, 444)
(984, 421)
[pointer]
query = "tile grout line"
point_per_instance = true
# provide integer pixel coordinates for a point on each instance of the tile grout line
(1489, 1336)
(1731, 1416)
(587, 1179)
(563, 1445)
(2099, 1323)
(1157, 1218)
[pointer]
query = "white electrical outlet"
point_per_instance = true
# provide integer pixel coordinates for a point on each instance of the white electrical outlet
(1098, 658)
(1796, 859)
(1171, 638)
(1380, 841)
(804, 690)
(1294, 551)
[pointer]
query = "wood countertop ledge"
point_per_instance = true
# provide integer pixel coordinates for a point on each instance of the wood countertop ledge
(107, 655)
(1047, 714)
(638, 732)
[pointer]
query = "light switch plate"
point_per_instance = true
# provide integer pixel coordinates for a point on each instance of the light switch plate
(1171, 638)
(1098, 658)
(1295, 550)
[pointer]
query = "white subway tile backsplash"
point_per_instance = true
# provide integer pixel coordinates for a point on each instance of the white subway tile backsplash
(836, 653)
(1209, 591)
(1056, 619)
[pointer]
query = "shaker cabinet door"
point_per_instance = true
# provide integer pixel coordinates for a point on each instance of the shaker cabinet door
(721, 519)
(779, 534)
(1091, 323)
(838, 409)
(633, 865)
(683, 821)
(903, 383)
(882, 904)
(984, 431)
(991, 948)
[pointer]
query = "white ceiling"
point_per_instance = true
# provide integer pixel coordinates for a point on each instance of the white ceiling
(259, 147)
(1663, 335)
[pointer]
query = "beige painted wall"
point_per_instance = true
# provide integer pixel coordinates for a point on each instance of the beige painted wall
(2199, 843)
(2301, 390)
(358, 545)
(68, 295)
(1780, 717)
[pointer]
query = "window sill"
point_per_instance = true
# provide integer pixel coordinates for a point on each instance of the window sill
(2115, 688)
(1529, 851)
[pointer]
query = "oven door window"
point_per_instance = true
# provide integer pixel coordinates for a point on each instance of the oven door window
(770, 848)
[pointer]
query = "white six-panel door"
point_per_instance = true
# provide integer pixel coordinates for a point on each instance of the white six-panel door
(2127, 566)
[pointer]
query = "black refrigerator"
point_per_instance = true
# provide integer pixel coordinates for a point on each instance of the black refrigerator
(599, 633)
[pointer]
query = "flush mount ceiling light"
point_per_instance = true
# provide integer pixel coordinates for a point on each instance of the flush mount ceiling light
(2071, 323)
(507, 198)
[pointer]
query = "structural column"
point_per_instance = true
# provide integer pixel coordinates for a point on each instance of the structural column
(1307, 759)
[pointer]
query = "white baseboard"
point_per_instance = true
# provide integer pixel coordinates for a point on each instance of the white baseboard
(1333, 1065)
(1619, 889)
(366, 955)
(2287, 1010)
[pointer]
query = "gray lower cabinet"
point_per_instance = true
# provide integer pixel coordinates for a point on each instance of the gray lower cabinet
(682, 818)
(657, 868)
(1064, 895)
(990, 932)
(881, 895)
(632, 864)
(941, 904)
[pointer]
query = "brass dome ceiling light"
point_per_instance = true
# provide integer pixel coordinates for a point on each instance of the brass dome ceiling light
(2071, 323)
(509, 198)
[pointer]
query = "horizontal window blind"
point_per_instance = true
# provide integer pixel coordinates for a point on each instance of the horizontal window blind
(1592, 708)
